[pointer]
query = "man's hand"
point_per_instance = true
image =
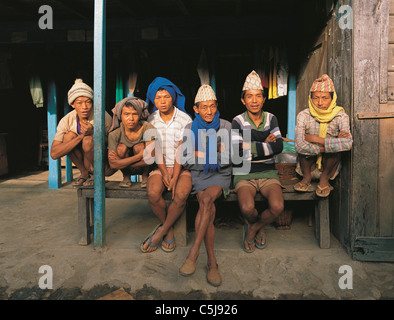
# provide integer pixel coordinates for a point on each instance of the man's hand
(271, 138)
(172, 186)
(166, 179)
(199, 154)
(112, 155)
(344, 134)
(245, 146)
(86, 128)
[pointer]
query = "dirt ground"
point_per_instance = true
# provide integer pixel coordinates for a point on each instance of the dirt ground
(39, 228)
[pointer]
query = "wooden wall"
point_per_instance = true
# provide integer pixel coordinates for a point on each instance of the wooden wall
(372, 200)
(339, 68)
(385, 225)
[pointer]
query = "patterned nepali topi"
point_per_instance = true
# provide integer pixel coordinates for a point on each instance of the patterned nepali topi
(79, 89)
(205, 93)
(323, 84)
(252, 82)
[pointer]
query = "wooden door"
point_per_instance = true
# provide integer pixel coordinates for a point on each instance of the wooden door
(373, 106)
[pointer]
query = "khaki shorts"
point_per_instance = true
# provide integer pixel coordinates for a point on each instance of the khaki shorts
(171, 172)
(258, 184)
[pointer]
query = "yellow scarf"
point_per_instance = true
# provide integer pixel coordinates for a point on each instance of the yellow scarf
(324, 117)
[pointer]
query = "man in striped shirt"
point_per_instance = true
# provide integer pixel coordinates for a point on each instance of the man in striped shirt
(169, 120)
(322, 132)
(255, 133)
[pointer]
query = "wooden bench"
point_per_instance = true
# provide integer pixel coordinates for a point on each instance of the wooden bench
(112, 190)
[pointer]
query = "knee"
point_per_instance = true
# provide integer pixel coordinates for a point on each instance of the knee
(121, 150)
(248, 210)
(138, 148)
(181, 198)
(87, 143)
(277, 208)
(206, 203)
(154, 196)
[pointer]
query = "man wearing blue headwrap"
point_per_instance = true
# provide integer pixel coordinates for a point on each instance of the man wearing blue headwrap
(209, 163)
(169, 118)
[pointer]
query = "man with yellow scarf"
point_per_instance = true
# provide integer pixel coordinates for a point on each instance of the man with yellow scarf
(322, 131)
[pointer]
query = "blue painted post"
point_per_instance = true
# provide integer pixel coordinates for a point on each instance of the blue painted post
(291, 107)
(99, 128)
(68, 163)
(54, 177)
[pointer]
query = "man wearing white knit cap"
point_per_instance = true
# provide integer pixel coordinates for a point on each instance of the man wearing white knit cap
(74, 135)
(265, 141)
(211, 170)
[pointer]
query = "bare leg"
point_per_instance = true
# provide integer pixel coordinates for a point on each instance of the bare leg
(175, 209)
(155, 188)
(306, 168)
(273, 193)
(76, 156)
(123, 152)
(247, 206)
(330, 163)
(88, 148)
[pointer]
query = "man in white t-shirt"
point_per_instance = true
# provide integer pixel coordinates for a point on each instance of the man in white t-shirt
(74, 134)
(169, 120)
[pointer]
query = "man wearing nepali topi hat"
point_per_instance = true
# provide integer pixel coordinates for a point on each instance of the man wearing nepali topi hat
(206, 153)
(74, 135)
(256, 134)
(322, 132)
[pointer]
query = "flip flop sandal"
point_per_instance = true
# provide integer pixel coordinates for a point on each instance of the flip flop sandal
(89, 182)
(261, 246)
(125, 184)
(149, 238)
(303, 187)
(78, 182)
(244, 238)
(319, 191)
(168, 250)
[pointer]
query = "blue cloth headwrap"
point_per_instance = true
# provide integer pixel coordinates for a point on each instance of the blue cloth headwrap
(210, 155)
(178, 99)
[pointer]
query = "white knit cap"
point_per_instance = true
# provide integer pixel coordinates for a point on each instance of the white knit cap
(252, 82)
(79, 89)
(205, 93)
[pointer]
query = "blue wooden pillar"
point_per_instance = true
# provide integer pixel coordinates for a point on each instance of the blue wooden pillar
(292, 106)
(68, 163)
(99, 128)
(54, 177)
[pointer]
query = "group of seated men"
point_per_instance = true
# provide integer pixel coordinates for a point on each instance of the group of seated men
(206, 156)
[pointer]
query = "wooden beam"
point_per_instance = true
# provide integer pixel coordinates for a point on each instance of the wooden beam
(377, 115)
(374, 249)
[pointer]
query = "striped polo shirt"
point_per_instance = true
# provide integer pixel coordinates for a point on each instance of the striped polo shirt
(262, 153)
(171, 133)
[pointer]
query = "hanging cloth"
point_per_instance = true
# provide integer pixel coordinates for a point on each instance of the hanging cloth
(36, 91)
(119, 95)
(202, 68)
(283, 73)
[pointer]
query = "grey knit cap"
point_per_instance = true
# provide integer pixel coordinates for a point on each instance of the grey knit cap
(79, 89)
